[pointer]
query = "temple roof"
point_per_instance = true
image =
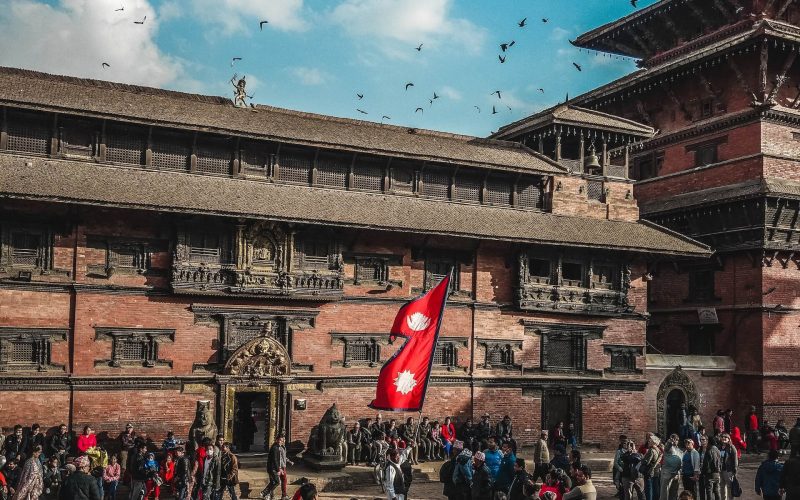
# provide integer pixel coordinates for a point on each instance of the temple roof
(87, 183)
(769, 186)
(214, 114)
(569, 114)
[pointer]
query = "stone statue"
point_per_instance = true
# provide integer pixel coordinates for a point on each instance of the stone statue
(202, 427)
(239, 91)
(327, 448)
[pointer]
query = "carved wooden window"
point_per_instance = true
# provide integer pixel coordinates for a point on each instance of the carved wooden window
(371, 269)
(402, 178)
(29, 132)
(530, 193)
(332, 170)
(701, 285)
(26, 249)
(125, 144)
(605, 276)
(436, 183)
(623, 358)
(214, 155)
(313, 253)
(705, 155)
(436, 268)
(171, 151)
(368, 174)
(540, 271)
(468, 188)
(563, 351)
(498, 191)
(208, 246)
(499, 353)
(77, 138)
(295, 166)
(365, 351)
(445, 355)
(25, 349)
(572, 273)
(134, 346)
(707, 107)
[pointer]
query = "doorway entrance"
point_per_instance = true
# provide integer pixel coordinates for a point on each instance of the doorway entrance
(251, 421)
(676, 411)
(561, 407)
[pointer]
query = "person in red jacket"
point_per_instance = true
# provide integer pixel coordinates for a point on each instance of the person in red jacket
(751, 427)
(448, 436)
(737, 441)
(86, 440)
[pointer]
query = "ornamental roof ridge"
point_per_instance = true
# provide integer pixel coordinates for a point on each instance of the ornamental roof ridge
(590, 35)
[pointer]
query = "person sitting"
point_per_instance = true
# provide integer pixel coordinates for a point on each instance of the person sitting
(170, 443)
(435, 437)
(86, 440)
(448, 433)
(153, 482)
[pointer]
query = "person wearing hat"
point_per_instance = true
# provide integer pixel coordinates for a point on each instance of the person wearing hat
(481, 478)
(80, 485)
(541, 457)
(127, 441)
(393, 479)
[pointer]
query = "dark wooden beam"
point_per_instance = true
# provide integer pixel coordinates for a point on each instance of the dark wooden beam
(762, 70)
(781, 78)
(725, 12)
(783, 8)
(677, 102)
(643, 112)
(742, 80)
(641, 43)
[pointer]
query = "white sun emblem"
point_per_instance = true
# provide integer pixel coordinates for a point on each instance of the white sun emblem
(405, 382)
(418, 321)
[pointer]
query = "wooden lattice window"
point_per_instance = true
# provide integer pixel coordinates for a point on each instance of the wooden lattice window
(623, 359)
(134, 346)
(171, 151)
(437, 267)
(77, 138)
(595, 190)
(530, 193)
(445, 355)
(254, 156)
(436, 183)
(26, 249)
(368, 174)
(28, 349)
(499, 354)
(125, 144)
(332, 170)
(295, 166)
(402, 178)
(564, 351)
(29, 132)
(468, 188)
(498, 191)
(371, 269)
(540, 271)
(313, 253)
(209, 247)
(361, 351)
(701, 285)
(214, 156)
(605, 276)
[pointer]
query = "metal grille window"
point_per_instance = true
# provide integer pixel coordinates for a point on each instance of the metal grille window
(295, 166)
(28, 132)
(26, 249)
(595, 190)
(125, 145)
(368, 174)
(436, 183)
(171, 152)
(530, 193)
(332, 170)
(371, 269)
(214, 156)
(498, 191)
(468, 188)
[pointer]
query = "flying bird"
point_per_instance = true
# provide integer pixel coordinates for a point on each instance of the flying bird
(234, 60)
(419, 48)
(494, 110)
(106, 65)
(261, 25)
(360, 96)
(577, 66)
(384, 117)
(476, 107)
(409, 84)
(509, 108)
(142, 21)
(498, 94)
(435, 96)
(505, 46)
(633, 2)
(120, 9)
(523, 22)
(541, 90)
(362, 111)
(419, 109)
(502, 59)
(430, 101)
(544, 20)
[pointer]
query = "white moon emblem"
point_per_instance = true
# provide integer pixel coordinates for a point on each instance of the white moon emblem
(418, 321)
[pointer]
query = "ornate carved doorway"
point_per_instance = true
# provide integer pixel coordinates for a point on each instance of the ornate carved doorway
(251, 393)
(675, 394)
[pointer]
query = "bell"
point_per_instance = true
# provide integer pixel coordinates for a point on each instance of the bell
(593, 161)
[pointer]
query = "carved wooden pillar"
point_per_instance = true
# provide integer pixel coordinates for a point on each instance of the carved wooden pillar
(54, 136)
(484, 189)
(314, 169)
(101, 146)
(385, 185)
(605, 157)
(514, 193)
(558, 146)
(627, 154)
(193, 156)
(4, 128)
(236, 164)
(240, 247)
(762, 72)
(581, 150)
(276, 163)
(541, 145)
(418, 175)
(350, 175)
(148, 153)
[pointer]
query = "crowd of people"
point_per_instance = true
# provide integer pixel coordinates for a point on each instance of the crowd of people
(67, 467)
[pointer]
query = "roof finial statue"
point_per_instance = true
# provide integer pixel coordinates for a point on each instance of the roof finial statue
(239, 92)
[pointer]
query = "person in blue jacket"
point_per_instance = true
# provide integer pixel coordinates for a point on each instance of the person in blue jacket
(768, 477)
(493, 457)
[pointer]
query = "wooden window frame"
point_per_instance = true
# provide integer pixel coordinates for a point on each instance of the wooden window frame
(150, 340)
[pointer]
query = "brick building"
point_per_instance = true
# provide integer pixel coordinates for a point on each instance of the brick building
(719, 82)
(161, 248)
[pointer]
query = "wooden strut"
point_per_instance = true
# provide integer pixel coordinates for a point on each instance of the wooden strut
(686, 114)
(781, 78)
(762, 71)
(783, 8)
(720, 7)
(643, 112)
(742, 81)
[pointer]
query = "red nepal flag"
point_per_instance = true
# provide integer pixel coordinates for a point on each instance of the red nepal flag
(403, 380)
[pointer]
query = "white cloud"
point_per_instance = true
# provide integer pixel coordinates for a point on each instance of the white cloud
(74, 37)
(397, 26)
(309, 76)
(559, 34)
(234, 16)
(451, 93)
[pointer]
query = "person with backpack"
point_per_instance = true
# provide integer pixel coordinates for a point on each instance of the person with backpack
(447, 469)
(393, 480)
(629, 476)
(522, 485)
(462, 476)
(768, 477)
(690, 470)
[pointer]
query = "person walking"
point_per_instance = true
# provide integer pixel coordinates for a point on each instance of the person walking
(80, 485)
(276, 468)
(183, 471)
(690, 470)
(768, 477)
(629, 475)
(462, 476)
(671, 470)
(393, 481)
(211, 474)
(492, 457)
(790, 479)
(482, 481)
(729, 457)
(794, 439)
(710, 469)
(229, 473)
(31, 481)
(751, 431)
(138, 471)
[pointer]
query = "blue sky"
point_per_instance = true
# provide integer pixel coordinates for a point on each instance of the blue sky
(316, 55)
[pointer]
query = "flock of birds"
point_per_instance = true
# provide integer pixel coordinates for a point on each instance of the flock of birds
(505, 48)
